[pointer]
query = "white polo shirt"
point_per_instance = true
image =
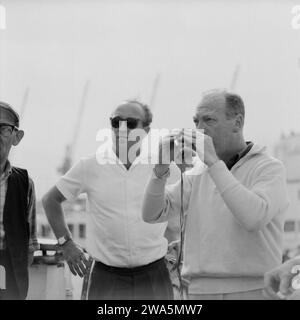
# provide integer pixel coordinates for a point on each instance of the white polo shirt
(116, 233)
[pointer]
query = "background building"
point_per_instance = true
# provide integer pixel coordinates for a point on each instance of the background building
(288, 151)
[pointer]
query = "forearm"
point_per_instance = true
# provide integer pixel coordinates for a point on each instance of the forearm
(154, 200)
(56, 218)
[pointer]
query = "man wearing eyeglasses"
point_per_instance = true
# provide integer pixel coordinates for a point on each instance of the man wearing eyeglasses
(128, 253)
(17, 213)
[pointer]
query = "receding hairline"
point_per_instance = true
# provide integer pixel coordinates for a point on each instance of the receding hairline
(234, 104)
(126, 103)
(147, 114)
(8, 108)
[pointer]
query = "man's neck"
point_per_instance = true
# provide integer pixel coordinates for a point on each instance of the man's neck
(124, 157)
(238, 147)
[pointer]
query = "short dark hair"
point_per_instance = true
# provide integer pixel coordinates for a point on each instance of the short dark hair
(234, 105)
(147, 111)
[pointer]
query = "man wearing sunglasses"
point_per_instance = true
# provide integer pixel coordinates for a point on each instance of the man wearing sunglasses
(128, 253)
(17, 213)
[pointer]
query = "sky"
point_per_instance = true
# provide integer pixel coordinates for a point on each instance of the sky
(54, 47)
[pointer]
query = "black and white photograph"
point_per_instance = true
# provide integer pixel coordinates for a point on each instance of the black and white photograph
(150, 151)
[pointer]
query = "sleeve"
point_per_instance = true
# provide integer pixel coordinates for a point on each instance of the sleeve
(253, 207)
(72, 183)
(33, 242)
(173, 196)
(161, 201)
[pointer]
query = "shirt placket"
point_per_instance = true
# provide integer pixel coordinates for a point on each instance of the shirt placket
(131, 218)
(130, 225)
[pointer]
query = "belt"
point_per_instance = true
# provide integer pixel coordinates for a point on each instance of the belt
(152, 265)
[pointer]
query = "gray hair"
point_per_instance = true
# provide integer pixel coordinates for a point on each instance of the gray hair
(12, 111)
(234, 105)
(234, 102)
(146, 109)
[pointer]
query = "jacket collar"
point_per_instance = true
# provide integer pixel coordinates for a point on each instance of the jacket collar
(255, 150)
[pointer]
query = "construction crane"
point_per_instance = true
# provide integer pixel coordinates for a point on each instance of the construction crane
(21, 113)
(154, 90)
(69, 151)
(235, 76)
(24, 103)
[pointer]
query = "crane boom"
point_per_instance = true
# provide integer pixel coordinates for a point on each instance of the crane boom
(154, 90)
(69, 151)
(24, 103)
(79, 115)
(235, 76)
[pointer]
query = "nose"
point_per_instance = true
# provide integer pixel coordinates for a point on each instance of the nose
(123, 127)
(200, 125)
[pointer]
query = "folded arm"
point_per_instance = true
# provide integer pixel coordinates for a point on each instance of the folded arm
(253, 207)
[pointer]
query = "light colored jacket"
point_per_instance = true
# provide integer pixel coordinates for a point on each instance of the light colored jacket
(235, 219)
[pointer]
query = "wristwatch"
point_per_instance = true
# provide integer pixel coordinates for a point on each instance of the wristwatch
(64, 239)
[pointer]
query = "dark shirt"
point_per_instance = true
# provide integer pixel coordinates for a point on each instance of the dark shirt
(239, 156)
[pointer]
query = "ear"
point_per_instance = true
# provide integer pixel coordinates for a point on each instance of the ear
(238, 123)
(18, 137)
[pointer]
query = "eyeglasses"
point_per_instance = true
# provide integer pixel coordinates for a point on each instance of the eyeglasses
(132, 123)
(7, 130)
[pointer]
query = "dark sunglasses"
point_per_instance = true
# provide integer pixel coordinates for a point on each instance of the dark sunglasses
(132, 123)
